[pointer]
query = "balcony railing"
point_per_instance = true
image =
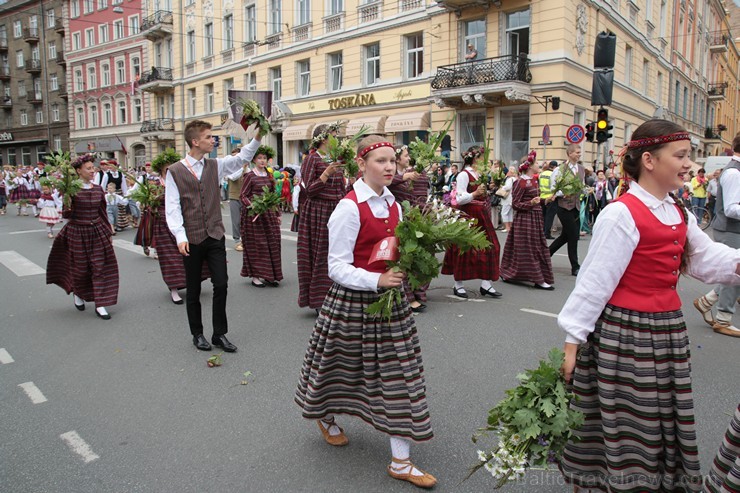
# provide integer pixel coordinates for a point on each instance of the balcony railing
(157, 25)
(406, 5)
(31, 34)
(302, 32)
(714, 133)
(61, 60)
(369, 11)
(716, 92)
(59, 25)
(4, 73)
(718, 44)
(156, 80)
(3, 44)
(62, 91)
(34, 97)
(489, 70)
(158, 125)
(6, 102)
(33, 65)
(334, 23)
(273, 41)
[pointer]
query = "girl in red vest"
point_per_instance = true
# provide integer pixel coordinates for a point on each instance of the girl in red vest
(356, 364)
(626, 345)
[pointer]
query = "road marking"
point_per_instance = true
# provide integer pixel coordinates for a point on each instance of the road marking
(538, 312)
(19, 265)
(457, 298)
(79, 446)
(291, 238)
(28, 231)
(127, 245)
(33, 392)
(5, 357)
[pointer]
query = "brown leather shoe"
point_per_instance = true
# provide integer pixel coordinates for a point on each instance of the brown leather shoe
(336, 440)
(426, 480)
(726, 329)
(705, 308)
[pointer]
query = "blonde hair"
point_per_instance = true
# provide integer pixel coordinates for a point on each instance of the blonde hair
(368, 141)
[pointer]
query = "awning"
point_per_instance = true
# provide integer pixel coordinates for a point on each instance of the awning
(20, 142)
(404, 122)
(298, 132)
(374, 124)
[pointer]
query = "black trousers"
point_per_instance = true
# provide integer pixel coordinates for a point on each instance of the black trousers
(571, 221)
(548, 213)
(214, 253)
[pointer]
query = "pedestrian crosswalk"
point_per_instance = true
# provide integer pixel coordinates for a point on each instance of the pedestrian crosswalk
(19, 265)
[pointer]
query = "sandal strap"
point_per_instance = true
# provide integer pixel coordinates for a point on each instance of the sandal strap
(403, 464)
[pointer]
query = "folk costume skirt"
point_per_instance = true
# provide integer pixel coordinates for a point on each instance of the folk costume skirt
(526, 257)
(633, 384)
(144, 233)
(364, 366)
(49, 215)
(724, 475)
(475, 264)
(261, 256)
(313, 250)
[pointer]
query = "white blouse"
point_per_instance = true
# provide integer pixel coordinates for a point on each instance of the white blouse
(462, 179)
(344, 226)
(615, 238)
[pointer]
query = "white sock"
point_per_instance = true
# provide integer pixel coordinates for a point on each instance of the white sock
(459, 286)
(35, 210)
(257, 280)
(724, 317)
(400, 448)
(78, 300)
(50, 229)
(487, 286)
(175, 295)
(333, 428)
(101, 310)
(712, 297)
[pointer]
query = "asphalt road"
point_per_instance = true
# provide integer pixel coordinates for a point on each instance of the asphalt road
(129, 405)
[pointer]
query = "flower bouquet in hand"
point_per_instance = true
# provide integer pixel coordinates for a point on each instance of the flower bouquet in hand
(483, 167)
(569, 183)
(268, 201)
(424, 154)
(149, 193)
(533, 423)
(424, 232)
(252, 113)
(342, 152)
(69, 182)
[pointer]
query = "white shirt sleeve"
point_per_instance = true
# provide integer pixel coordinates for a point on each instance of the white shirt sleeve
(296, 194)
(230, 164)
(57, 200)
(553, 180)
(344, 226)
(463, 180)
(236, 175)
(709, 261)
(172, 210)
(600, 273)
(730, 182)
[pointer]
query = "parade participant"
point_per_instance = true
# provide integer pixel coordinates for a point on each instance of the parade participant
(354, 364)
(132, 207)
(712, 191)
(19, 192)
(235, 181)
(549, 207)
(295, 199)
(724, 475)
(261, 260)
(325, 187)
(101, 173)
(145, 231)
(34, 191)
(699, 187)
(3, 194)
(40, 170)
(113, 202)
(82, 260)
(49, 205)
(726, 226)
(631, 375)
(115, 176)
(193, 212)
(474, 264)
(286, 193)
(568, 208)
(507, 211)
(526, 257)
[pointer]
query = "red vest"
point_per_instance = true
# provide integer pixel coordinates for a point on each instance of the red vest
(649, 283)
(372, 230)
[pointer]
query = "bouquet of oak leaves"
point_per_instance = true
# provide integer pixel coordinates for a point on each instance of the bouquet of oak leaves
(424, 154)
(423, 233)
(570, 184)
(268, 201)
(252, 113)
(342, 152)
(67, 181)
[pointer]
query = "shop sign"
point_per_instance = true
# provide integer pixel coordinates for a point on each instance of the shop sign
(352, 101)
(6, 136)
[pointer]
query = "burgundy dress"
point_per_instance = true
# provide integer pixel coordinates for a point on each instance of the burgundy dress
(261, 236)
(82, 259)
(526, 256)
(475, 264)
(313, 232)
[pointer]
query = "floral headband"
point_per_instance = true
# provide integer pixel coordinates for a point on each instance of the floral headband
(399, 150)
(85, 158)
(372, 147)
(322, 136)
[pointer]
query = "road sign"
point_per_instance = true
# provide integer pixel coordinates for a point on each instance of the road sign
(544, 142)
(546, 132)
(575, 134)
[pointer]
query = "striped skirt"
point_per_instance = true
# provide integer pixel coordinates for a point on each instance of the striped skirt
(633, 384)
(724, 476)
(313, 250)
(261, 256)
(366, 367)
(19, 193)
(144, 233)
(170, 259)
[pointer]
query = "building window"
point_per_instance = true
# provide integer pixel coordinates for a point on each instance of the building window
(304, 77)
(250, 23)
(88, 6)
(92, 81)
(93, 116)
(250, 81)
(372, 64)
(685, 102)
(75, 8)
(648, 9)
(11, 155)
(695, 108)
(103, 33)
(628, 65)
(80, 117)
(335, 71)
(121, 117)
(19, 61)
(50, 18)
(107, 115)
(135, 66)
(79, 81)
(158, 55)
(208, 40)
(627, 132)
(52, 50)
(24, 117)
(54, 82)
(209, 98)
(137, 110)
(133, 25)
(659, 89)
(120, 72)
(228, 34)
(304, 11)
(17, 29)
(22, 88)
(26, 156)
(102, 4)
(645, 77)
(89, 38)
(274, 24)
(661, 20)
(55, 112)
(228, 85)
(474, 34)
(37, 88)
(35, 53)
(118, 29)
(276, 82)
(517, 32)
(105, 74)
(39, 116)
(191, 102)
(677, 98)
(57, 142)
(76, 40)
(191, 46)
(513, 133)
(414, 55)
(336, 6)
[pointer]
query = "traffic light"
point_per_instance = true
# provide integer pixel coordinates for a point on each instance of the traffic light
(603, 126)
(555, 103)
(590, 131)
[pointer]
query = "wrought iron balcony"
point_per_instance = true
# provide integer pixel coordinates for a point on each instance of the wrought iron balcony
(31, 34)
(157, 25)
(489, 70)
(716, 92)
(158, 129)
(33, 66)
(5, 73)
(61, 60)
(34, 97)
(63, 91)
(714, 133)
(3, 44)
(718, 44)
(6, 102)
(458, 5)
(59, 26)
(158, 79)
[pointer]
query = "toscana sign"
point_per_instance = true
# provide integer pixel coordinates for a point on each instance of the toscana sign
(352, 101)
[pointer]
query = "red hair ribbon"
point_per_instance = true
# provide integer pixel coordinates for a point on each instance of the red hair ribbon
(661, 139)
(372, 147)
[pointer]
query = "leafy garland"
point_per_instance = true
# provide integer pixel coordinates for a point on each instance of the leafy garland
(266, 202)
(342, 152)
(251, 113)
(422, 234)
(167, 157)
(533, 423)
(424, 154)
(67, 182)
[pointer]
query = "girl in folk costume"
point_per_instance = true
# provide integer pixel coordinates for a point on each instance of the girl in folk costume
(286, 192)
(20, 192)
(526, 257)
(82, 260)
(34, 191)
(357, 364)
(260, 234)
(49, 205)
(474, 264)
(113, 202)
(325, 187)
(632, 372)
(724, 475)
(295, 202)
(3, 192)
(115, 176)
(145, 229)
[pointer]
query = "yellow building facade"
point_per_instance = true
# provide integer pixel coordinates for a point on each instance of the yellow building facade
(400, 68)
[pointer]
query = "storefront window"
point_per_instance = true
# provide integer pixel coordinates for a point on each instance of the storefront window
(513, 138)
(26, 156)
(11, 157)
